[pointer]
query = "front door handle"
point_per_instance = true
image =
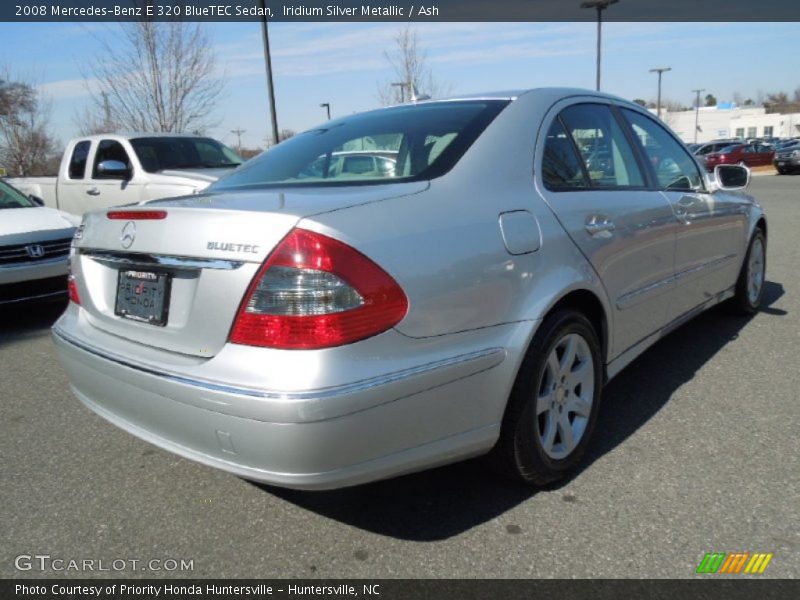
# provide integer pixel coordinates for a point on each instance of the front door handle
(598, 225)
(93, 191)
(684, 209)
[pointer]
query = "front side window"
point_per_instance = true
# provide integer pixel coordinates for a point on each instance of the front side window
(77, 163)
(605, 152)
(405, 143)
(109, 150)
(674, 168)
(561, 166)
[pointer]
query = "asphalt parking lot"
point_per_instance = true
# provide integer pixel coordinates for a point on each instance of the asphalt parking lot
(696, 451)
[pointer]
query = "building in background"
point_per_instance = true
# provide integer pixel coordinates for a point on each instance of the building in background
(731, 121)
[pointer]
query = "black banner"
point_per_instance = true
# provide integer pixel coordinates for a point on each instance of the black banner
(402, 589)
(400, 10)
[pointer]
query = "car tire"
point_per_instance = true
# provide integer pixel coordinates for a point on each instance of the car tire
(540, 445)
(781, 171)
(750, 284)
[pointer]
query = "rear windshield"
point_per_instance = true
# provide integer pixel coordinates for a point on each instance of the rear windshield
(404, 143)
(12, 198)
(161, 153)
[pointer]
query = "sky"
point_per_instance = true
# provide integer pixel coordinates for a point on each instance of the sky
(343, 64)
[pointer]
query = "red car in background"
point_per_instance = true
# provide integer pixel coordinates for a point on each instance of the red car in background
(751, 155)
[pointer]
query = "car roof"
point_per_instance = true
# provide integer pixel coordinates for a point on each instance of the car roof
(129, 135)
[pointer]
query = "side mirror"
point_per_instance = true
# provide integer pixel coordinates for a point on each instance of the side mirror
(732, 177)
(113, 169)
(36, 200)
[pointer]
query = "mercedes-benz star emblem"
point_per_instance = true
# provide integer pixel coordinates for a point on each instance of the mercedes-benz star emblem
(128, 234)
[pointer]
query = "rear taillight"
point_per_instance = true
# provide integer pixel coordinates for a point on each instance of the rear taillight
(136, 215)
(316, 292)
(72, 288)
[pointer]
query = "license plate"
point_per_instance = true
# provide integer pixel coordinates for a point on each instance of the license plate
(143, 296)
(781, 163)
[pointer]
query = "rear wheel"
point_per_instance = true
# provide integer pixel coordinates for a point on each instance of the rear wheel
(750, 285)
(553, 406)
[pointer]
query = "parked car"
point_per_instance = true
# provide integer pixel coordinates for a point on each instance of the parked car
(787, 159)
(751, 155)
(106, 170)
(704, 150)
(325, 333)
(357, 163)
(34, 249)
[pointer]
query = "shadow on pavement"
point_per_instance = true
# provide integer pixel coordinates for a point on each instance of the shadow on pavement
(28, 320)
(440, 503)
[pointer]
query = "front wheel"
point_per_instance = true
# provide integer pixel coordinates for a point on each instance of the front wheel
(554, 403)
(750, 285)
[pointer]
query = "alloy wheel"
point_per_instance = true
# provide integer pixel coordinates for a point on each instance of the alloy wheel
(565, 396)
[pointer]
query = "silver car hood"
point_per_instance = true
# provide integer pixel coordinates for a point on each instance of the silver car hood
(299, 202)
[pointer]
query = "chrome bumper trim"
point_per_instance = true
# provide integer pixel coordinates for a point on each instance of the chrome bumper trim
(490, 356)
(134, 259)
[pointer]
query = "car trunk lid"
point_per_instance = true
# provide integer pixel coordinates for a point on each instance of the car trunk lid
(176, 281)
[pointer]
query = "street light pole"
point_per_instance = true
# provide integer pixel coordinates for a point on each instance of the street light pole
(660, 71)
(402, 86)
(600, 6)
(327, 106)
(268, 63)
(697, 113)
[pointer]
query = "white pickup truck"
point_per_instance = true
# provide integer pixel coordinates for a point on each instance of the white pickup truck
(111, 169)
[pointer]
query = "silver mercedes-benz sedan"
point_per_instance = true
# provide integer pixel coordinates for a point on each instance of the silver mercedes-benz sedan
(318, 328)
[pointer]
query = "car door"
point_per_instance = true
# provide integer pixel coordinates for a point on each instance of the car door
(72, 178)
(104, 190)
(597, 187)
(710, 226)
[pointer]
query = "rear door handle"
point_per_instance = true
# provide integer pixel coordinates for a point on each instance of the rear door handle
(599, 225)
(93, 191)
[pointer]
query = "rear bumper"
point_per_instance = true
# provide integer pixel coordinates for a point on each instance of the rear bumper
(386, 425)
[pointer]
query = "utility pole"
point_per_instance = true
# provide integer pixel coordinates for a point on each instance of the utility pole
(238, 133)
(697, 113)
(327, 106)
(268, 64)
(600, 6)
(660, 71)
(106, 113)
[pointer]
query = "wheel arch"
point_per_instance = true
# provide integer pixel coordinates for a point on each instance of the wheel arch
(589, 305)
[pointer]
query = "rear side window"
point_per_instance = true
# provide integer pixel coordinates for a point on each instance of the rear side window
(561, 167)
(77, 164)
(109, 150)
(604, 149)
(674, 168)
(404, 143)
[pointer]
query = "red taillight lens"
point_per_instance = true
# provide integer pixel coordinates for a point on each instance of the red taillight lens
(72, 289)
(137, 215)
(316, 292)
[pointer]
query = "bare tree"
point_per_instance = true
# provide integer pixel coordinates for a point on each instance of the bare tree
(91, 121)
(156, 76)
(412, 75)
(25, 144)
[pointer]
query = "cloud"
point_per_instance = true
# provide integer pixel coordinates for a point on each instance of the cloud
(68, 88)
